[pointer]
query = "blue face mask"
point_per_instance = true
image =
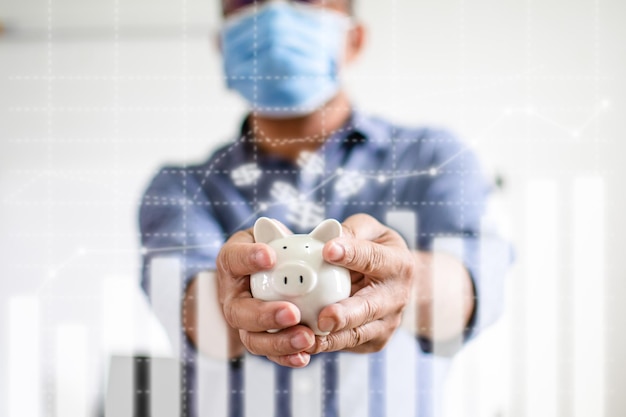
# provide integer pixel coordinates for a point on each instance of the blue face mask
(284, 58)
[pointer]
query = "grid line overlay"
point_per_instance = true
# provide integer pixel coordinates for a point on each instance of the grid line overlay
(53, 184)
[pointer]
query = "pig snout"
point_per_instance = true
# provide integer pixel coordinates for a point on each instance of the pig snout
(294, 279)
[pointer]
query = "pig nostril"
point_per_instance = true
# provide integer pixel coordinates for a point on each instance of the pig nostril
(301, 279)
(285, 280)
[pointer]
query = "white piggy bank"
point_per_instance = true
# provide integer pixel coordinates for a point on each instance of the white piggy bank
(301, 276)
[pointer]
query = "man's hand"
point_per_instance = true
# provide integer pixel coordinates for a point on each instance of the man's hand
(385, 274)
(382, 270)
(252, 318)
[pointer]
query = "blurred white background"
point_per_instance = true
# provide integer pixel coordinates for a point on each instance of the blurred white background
(96, 95)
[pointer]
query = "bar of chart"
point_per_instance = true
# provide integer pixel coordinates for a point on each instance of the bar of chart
(550, 272)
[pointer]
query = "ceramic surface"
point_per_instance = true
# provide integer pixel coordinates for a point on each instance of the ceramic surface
(300, 276)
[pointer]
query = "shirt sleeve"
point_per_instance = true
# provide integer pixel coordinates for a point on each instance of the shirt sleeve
(176, 220)
(453, 218)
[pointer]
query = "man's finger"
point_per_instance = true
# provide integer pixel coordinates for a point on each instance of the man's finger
(255, 315)
(367, 305)
(287, 342)
(367, 257)
(241, 259)
(297, 360)
(370, 337)
(364, 226)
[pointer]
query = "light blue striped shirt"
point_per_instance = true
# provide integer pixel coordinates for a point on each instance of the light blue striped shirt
(368, 166)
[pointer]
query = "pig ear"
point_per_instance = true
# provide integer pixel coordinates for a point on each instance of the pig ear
(326, 230)
(267, 230)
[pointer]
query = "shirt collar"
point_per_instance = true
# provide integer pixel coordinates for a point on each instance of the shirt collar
(361, 128)
(358, 129)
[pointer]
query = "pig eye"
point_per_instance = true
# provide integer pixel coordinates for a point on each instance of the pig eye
(301, 279)
(284, 247)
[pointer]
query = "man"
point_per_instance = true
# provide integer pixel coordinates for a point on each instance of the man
(304, 154)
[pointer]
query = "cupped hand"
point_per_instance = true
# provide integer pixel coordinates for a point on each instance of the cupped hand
(252, 318)
(382, 269)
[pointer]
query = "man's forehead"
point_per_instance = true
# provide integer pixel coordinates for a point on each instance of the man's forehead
(231, 6)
